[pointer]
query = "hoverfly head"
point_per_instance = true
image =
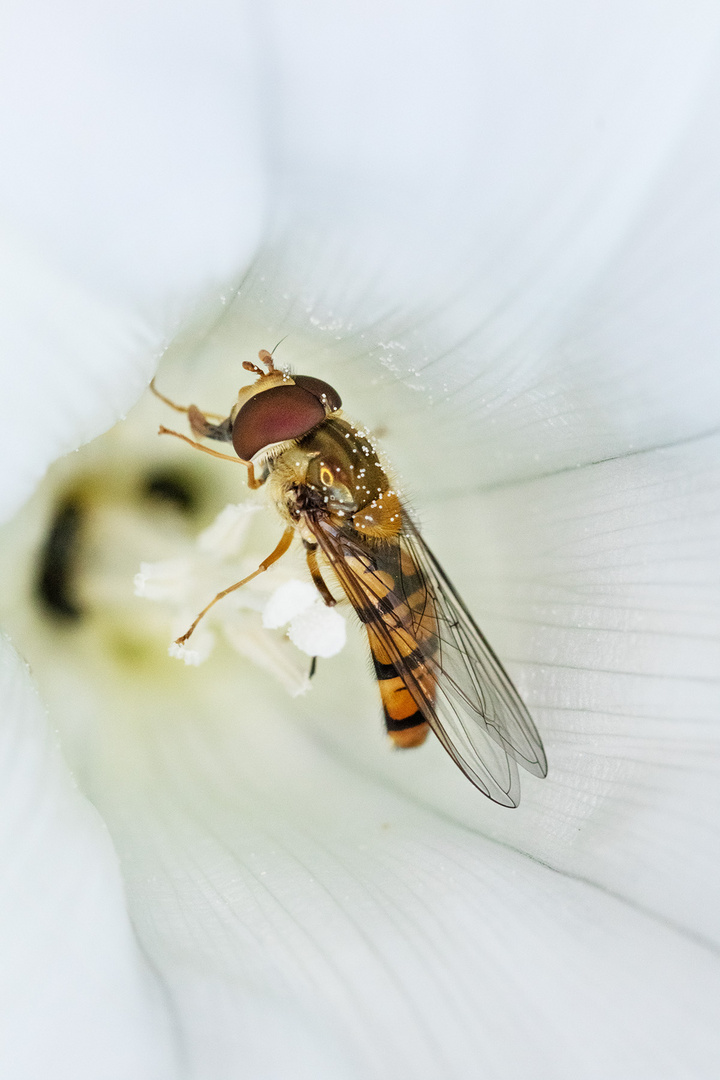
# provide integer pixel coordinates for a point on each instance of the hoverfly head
(279, 407)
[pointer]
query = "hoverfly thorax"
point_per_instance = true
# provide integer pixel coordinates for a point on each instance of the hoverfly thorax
(343, 469)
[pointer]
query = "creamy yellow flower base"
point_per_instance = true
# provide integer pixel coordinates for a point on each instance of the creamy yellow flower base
(99, 652)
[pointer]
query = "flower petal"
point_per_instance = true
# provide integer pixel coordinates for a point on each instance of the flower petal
(522, 136)
(533, 222)
(600, 587)
(136, 186)
(260, 870)
(78, 998)
(304, 916)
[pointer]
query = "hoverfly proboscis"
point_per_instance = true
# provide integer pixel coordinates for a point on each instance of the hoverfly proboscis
(434, 667)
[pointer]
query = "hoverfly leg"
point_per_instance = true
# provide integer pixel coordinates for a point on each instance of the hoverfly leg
(285, 541)
(311, 556)
(252, 483)
(180, 408)
(313, 667)
(251, 480)
(162, 430)
(205, 430)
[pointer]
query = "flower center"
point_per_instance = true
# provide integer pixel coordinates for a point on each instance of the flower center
(69, 563)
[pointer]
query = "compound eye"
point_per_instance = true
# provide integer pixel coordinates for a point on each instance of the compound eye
(324, 392)
(275, 415)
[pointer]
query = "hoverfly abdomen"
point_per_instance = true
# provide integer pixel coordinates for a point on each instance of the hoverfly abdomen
(401, 625)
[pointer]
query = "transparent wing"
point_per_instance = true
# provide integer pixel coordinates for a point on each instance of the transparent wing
(458, 683)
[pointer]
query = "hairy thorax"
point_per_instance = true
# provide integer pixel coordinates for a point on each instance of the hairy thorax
(334, 471)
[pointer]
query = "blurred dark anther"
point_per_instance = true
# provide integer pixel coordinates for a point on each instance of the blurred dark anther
(57, 564)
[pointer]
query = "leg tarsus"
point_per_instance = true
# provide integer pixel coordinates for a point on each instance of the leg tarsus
(167, 400)
(252, 483)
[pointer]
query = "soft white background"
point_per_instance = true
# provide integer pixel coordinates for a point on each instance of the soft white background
(511, 208)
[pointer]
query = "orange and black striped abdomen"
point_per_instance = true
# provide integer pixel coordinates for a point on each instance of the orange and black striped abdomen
(401, 624)
(406, 725)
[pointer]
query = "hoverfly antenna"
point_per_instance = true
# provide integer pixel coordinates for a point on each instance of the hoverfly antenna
(272, 351)
(253, 367)
(265, 358)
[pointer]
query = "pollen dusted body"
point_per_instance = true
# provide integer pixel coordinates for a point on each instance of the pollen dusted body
(434, 667)
(331, 481)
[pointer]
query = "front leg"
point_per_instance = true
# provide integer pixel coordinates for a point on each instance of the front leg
(202, 427)
(199, 421)
(252, 481)
(180, 408)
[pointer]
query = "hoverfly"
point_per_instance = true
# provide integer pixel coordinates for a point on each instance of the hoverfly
(434, 667)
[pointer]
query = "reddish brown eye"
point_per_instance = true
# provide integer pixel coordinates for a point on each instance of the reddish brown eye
(323, 391)
(283, 412)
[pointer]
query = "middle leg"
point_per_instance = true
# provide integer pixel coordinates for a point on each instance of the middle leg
(285, 541)
(320, 585)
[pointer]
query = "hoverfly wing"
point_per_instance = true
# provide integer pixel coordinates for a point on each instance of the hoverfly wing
(470, 675)
(415, 617)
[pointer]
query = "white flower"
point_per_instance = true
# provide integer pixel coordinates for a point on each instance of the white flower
(513, 211)
(316, 629)
(272, 601)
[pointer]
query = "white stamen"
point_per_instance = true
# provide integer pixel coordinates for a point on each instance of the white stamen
(198, 650)
(226, 536)
(270, 653)
(182, 652)
(188, 582)
(287, 601)
(168, 580)
(318, 631)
